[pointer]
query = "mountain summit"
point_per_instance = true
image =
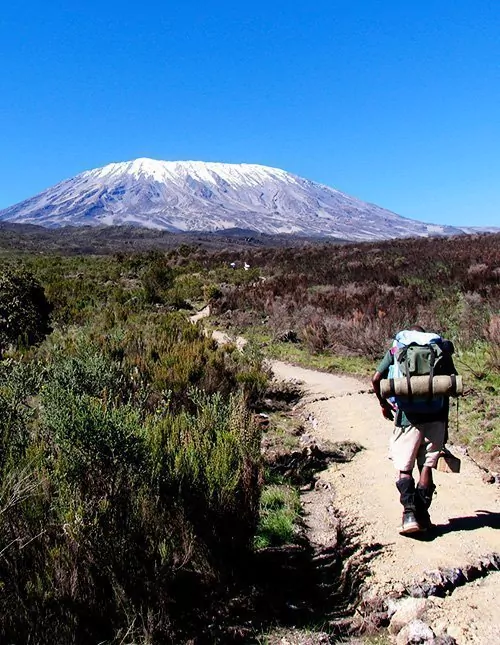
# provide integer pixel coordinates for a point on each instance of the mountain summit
(199, 196)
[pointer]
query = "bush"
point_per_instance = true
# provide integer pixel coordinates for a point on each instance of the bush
(156, 280)
(19, 381)
(24, 310)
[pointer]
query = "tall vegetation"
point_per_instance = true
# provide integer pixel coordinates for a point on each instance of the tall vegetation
(129, 464)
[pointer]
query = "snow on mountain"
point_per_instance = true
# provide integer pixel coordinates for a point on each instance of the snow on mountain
(199, 196)
(480, 229)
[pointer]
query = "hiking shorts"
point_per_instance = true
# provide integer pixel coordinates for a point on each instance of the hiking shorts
(419, 443)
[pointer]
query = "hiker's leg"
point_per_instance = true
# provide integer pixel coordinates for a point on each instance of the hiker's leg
(434, 435)
(404, 447)
(432, 443)
(423, 497)
(406, 487)
(425, 479)
(407, 496)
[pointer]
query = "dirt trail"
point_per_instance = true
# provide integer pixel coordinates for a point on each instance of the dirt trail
(465, 510)
(220, 336)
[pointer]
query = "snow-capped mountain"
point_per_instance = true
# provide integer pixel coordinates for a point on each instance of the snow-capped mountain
(199, 196)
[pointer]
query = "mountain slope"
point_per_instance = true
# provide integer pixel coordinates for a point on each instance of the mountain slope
(199, 196)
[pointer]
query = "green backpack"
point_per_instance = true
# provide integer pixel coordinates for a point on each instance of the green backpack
(418, 354)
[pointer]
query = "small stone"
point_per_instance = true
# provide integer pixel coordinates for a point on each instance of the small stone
(445, 639)
(440, 627)
(436, 576)
(379, 619)
(495, 561)
(423, 590)
(457, 633)
(392, 606)
(488, 478)
(436, 600)
(415, 633)
(472, 572)
(408, 610)
(454, 576)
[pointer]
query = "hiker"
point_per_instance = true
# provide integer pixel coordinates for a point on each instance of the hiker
(420, 423)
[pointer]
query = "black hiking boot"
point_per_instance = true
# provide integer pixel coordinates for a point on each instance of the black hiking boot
(409, 523)
(406, 488)
(423, 500)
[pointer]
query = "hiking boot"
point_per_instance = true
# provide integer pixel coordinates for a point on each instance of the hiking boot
(423, 500)
(423, 518)
(406, 488)
(409, 523)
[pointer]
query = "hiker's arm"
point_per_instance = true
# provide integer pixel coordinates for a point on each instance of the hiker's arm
(386, 406)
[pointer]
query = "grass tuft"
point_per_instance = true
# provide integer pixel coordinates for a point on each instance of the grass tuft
(279, 517)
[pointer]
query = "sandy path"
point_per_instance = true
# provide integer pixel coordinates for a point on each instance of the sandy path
(465, 510)
(220, 336)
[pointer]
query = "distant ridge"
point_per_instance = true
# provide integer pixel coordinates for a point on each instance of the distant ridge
(201, 196)
(480, 229)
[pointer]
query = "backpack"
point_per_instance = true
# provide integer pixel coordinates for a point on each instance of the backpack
(418, 353)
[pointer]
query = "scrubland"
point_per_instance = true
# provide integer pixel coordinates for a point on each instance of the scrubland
(130, 462)
(130, 471)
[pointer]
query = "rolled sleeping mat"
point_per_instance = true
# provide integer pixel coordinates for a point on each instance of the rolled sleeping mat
(441, 386)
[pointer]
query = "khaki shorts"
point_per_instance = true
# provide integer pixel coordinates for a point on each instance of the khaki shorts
(421, 443)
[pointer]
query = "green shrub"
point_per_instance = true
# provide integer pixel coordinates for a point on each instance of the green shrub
(211, 460)
(88, 372)
(19, 381)
(212, 292)
(156, 280)
(24, 310)
(127, 496)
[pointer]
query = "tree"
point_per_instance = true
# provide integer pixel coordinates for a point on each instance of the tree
(24, 310)
(156, 280)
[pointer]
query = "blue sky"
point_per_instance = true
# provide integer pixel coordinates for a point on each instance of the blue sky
(394, 102)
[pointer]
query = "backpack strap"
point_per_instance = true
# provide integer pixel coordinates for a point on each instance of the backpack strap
(432, 360)
(408, 376)
(410, 391)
